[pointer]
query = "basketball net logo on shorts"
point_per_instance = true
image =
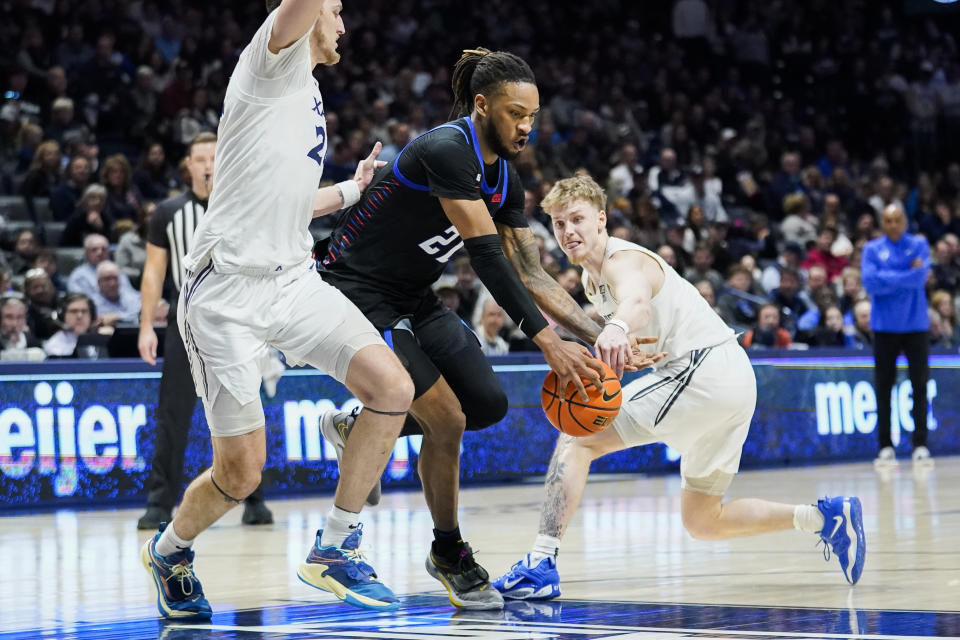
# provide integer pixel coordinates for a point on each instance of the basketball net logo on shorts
(56, 439)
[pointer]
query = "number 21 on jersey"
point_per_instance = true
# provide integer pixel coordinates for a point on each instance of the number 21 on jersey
(440, 243)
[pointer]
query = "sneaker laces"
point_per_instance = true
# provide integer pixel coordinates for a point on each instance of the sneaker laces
(826, 548)
(184, 573)
(467, 567)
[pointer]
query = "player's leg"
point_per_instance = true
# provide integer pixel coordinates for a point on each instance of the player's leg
(239, 451)
(535, 577)
(708, 423)
(322, 328)
(226, 376)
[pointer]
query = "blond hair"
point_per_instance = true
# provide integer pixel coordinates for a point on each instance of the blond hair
(576, 188)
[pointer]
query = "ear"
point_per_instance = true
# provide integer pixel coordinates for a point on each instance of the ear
(602, 219)
(480, 104)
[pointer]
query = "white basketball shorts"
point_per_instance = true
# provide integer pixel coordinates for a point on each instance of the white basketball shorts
(228, 322)
(701, 405)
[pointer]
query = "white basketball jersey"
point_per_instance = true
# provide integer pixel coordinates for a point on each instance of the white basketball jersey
(270, 149)
(682, 320)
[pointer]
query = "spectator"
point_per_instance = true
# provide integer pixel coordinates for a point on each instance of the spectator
(707, 291)
(669, 256)
(43, 175)
(790, 258)
(449, 297)
(47, 260)
(153, 177)
(91, 217)
(491, 322)
(132, 249)
(860, 336)
(14, 333)
(829, 332)
(83, 279)
(945, 270)
(25, 248)
(696, 231)
(65, 194)
(799, 224)
(116, 304)
(790, 300)
(666, 182)
(41, 299)
(626, 174)
(785, 182)
(702, 268)
(737, 308)
(946, 332)
(822, 254)
(571, 281)
(939, 222)
(851, 290)
(767, 332)
(78, 315)
(894, 269)
(123, 198)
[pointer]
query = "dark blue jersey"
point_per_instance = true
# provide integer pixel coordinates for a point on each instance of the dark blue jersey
(396, 242)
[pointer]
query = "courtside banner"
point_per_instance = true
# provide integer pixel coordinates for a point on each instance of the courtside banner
(83, 432)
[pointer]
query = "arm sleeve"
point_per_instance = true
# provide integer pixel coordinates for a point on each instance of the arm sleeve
(499, 276)
(511, 213)
(451, 169)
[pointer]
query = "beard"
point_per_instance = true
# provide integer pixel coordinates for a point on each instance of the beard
(326, 51)
(496, 144)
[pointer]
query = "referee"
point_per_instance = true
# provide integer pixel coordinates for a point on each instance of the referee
(169, 239)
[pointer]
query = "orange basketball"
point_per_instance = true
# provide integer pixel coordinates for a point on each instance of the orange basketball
(568, 413)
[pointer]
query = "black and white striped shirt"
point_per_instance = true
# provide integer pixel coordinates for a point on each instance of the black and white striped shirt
(172, 226)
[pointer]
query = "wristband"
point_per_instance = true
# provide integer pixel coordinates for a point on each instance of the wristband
(349, 193)
(617, 322)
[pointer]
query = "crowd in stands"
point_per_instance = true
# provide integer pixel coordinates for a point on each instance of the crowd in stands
(751, 144)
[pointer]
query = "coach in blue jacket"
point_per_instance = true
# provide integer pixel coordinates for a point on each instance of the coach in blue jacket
(894, 269)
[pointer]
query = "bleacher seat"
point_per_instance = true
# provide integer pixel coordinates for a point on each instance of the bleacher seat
(68, 259)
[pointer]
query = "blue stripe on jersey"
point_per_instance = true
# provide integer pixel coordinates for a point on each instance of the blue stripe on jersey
(388, 337)
(396, 161)
(503, 163)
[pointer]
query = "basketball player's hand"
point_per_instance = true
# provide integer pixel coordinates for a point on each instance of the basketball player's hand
(572, 361)
(147, 344)
(613, 347)
(640, 359)
(364, 172)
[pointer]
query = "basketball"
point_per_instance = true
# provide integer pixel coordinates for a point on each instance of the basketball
(568, 413)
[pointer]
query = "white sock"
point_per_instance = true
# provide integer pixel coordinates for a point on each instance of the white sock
(169, 542)
(543, 547)
(807, 517)
(338, 526)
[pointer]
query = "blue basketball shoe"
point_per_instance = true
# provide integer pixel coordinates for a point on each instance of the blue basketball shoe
(343, 572)
(179, 594)
(843, 534)
(524, 582)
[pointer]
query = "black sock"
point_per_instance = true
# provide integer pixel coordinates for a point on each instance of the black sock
(447, 544)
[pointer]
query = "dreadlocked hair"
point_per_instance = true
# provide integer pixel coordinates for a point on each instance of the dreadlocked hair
(481, 71)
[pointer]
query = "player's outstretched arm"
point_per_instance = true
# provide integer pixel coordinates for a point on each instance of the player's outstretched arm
(294, 19)
(625, 273)
(343, 194)
(520, 247)
(569, 360)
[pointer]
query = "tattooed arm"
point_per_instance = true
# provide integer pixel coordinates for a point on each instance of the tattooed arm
(520, 247)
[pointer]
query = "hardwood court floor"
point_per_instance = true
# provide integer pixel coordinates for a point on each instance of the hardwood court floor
(78, 574)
